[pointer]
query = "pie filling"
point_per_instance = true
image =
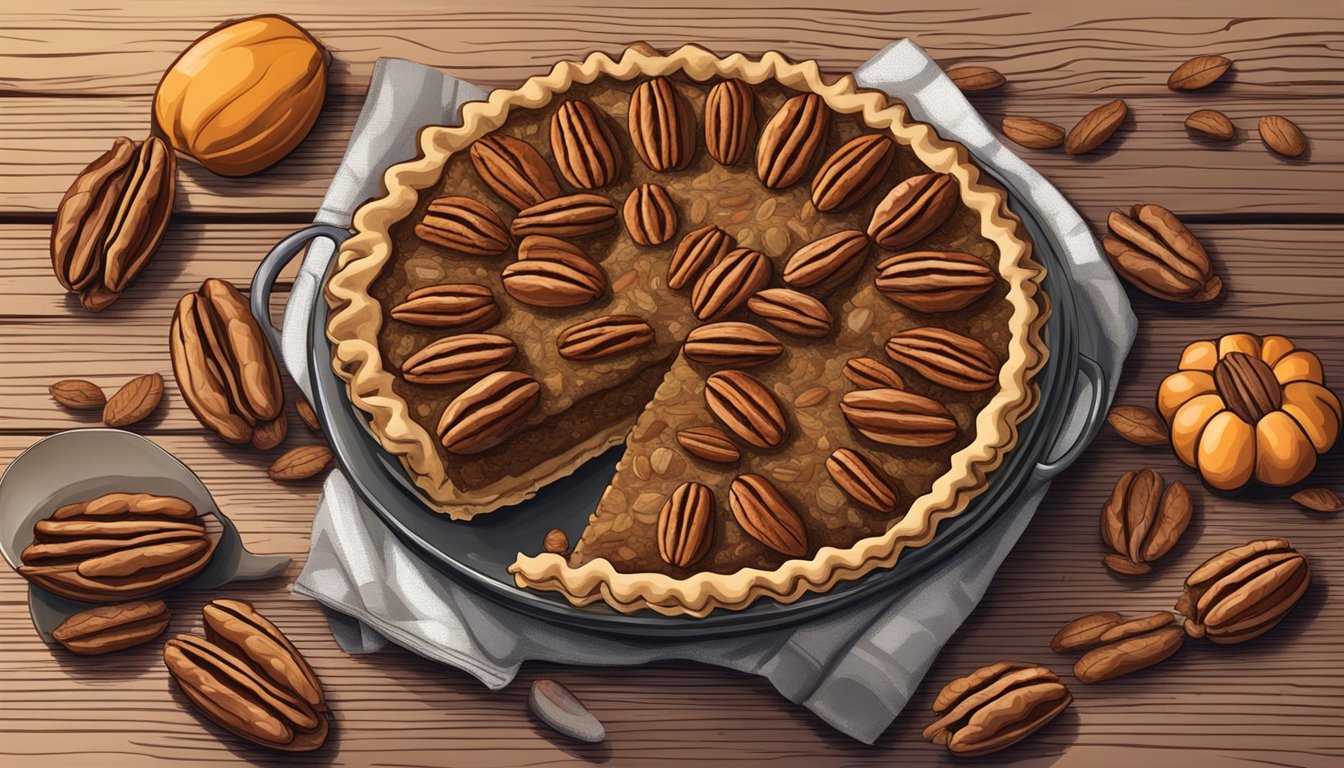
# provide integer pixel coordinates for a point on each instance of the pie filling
(867, 398)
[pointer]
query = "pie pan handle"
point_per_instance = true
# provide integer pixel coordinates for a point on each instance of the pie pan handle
(268, 272)
(1099, 397)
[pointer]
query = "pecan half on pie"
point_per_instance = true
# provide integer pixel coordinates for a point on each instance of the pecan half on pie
(809, 319)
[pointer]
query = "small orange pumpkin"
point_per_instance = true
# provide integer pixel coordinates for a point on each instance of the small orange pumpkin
(1243, 407)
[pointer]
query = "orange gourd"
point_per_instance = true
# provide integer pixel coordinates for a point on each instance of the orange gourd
(1242, 408)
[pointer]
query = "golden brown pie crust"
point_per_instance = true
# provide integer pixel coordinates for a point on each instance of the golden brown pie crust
(357, 317)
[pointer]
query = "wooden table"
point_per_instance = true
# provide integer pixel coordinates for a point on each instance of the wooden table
(71, 78)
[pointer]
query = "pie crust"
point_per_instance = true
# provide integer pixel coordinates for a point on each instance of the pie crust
(357, 318)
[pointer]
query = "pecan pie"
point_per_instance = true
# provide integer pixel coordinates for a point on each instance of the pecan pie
(809, 319)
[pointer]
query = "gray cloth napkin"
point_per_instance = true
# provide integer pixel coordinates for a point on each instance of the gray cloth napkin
(855, 669)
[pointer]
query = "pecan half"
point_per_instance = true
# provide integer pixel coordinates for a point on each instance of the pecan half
(248, 678)
(1240, 594)
(604, 336)
(934, 281)
(1096, 127)
(662, 125)
(728, 111)
(828, 261)
(995, 707)
(897, 417)
(731, 345)
(1141, 522)
(551, 272)
(224, 366)
(1211, 123)
(464, 225)
(867, 373)
(710, 444)
(78, 394)
(1084, 632)
(479, 417)
(726, 286)
(766, 515)
(945, 357)
(117, 547)
(697, 250)
(976, 78)
(852, 171)
(1248, 386)
(1032, 133)
(1154, 252)
(584, 149)
(301, 462)
(1282, 136)
(135, 401)
(514, 170)
(1138, 425)
(464, 306)
(464, 357)
(791, 139)
(686, 525)
(1198, 72)
(577, 215)
(862, 480)
(913, 209)
(112, 628)
(792, 311)
(748, 409)
(650, 215)
(1128, 655)
(111, 220)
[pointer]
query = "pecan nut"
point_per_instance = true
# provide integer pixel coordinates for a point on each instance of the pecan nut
(1154, 252)
(1141, 522)
(686, 525)
(135, 401)
(728, 111)
(791, 140)
(662, 125)
(78, 394)
(726, 286)
(479, 417)
(1248, 386)
(995, 707)
(650, 215)
(913, 209)
(1211, 123)
(111, 220)
(224, 366)
(862, 480)
(976, 78)
(1240, 594)
(1128, 655)
(583, 146)
(1032, 133)
(897, 417)
(747, 408)
(464, 357)
(577, 215)
(1096, 127)
(1282, 136)
(792, 311)
(731, 345)
(112, 628)
(934, 281)
(697, 250)
(829, 260)
(248, 678)
(945, 357)
(1084, 632)
(852, 171)
(551, 272)
(117, 547)
(603, 337)
(514, 170)
(867, 373)
(464, 225)
(464, 306)
(1198, 72)
(710, 444)
(766, 515)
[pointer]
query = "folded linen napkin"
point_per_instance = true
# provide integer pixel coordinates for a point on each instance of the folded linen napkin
(854, 668)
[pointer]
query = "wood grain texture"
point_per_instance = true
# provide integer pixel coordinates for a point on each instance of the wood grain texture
(73, 76)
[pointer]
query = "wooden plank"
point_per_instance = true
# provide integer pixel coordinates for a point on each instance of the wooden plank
(1063, 47)
(1153, 156)
(47, 337)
